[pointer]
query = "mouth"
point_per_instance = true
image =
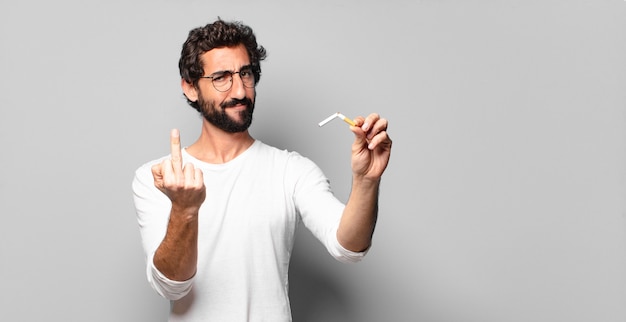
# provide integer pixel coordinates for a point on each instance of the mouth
(238, 105)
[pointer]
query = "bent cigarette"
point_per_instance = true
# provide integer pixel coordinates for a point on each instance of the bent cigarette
(339, 116)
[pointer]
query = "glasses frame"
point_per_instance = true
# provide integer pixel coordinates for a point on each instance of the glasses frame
(225, 73)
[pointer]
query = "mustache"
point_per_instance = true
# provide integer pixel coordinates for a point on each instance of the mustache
(235, 101)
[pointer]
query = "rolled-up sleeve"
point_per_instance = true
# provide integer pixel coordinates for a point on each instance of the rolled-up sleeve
(344, 255)
(167, 288)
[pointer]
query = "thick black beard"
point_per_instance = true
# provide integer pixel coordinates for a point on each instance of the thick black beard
(221, 120)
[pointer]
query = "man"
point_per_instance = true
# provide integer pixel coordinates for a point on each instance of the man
(218, 218)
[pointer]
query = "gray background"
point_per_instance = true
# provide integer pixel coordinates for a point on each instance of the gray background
(504, 199)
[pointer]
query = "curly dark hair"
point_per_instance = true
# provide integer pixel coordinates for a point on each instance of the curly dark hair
(217, 35)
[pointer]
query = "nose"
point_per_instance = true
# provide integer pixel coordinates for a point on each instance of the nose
(237, 90)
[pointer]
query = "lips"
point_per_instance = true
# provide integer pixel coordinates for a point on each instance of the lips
(239, 107)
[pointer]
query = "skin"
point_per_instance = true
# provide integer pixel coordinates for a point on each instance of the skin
(177, 255)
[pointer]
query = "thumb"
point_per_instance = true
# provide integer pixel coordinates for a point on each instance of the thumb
(360, 138)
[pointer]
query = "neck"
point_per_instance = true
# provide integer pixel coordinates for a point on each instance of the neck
(217, 146)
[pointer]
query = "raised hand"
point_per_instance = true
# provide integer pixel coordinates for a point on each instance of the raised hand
(371, 148)
(183, 185)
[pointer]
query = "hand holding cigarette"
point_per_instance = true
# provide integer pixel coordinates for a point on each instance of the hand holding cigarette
(372, 146)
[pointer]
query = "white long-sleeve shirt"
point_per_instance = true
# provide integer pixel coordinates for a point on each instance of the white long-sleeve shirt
(245, 235)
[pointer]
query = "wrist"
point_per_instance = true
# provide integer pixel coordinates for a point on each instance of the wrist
(185, 212)
(364, 182)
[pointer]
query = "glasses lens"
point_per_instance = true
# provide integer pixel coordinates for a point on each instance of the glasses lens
(222, 81)
(247, 77)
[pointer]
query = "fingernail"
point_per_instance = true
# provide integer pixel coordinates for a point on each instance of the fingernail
(365, 126)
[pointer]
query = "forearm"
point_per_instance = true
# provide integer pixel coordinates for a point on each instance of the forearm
(359, 216)
(176, 257)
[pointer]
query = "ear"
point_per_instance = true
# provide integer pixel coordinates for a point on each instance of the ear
(190, 91)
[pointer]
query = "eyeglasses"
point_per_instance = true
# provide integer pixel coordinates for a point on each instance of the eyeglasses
(223, 81)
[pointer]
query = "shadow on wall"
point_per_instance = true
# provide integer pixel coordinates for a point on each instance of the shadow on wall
(316, 294)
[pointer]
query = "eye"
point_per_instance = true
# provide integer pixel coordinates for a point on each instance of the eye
(221, 77)
(247, 73)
